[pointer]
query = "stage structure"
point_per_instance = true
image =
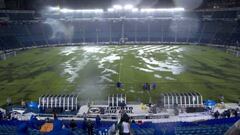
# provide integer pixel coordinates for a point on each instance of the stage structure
(188, 99)
(63, 102)
(117, 100)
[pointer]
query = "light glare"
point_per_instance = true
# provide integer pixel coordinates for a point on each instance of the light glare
(65, 10)
(128, 7)
(135, 10)
(110, 10)
(162, 10)
(118, 7)
(54, 8)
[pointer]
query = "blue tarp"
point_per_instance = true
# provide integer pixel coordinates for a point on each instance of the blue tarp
(209, 103)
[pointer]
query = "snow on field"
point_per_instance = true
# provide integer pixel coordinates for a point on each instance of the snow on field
(111, 58)
(169, 78)
(103, 62)
(132, 91)
(90, 53)
(106, 70)
(93, 49)
(168, 65)
(144, 55)
(104, 78)
(143, 69)
(157, 76)
(72, 70)
(68, 50)
(140, 52)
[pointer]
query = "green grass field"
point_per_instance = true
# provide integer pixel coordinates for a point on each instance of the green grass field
(92, 72)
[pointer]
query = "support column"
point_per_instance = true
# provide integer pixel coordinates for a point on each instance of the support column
(181, 100)
(68, 103)
(64, 102)
(168, 101)
(135, 32)
(185, 100)
(125, 100)
(110, 33)
(121, 98)
(43, 101)
(47, 101)
(72, 102)
(51, 102)
(39, 101)
(117, 100)
(201, 100)
(97, 30)
(76, 103)
(176, 99)
(113, 100)
(189, 100)
(54, 102)
(197, 101)
(148, 32)
(194, 100)
(164, 101)
(60, 101)
(123, 32)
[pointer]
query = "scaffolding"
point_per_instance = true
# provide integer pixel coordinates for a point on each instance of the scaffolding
(65, 102)
(188, 99)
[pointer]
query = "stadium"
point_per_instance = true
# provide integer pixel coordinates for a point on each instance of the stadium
(164, 67)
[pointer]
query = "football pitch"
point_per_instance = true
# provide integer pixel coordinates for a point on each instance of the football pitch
(93, 71)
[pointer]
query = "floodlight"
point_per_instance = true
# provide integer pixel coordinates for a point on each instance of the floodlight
(90, 11)
(110, 10)
(162, 10)
(117, 7)
(54, 8)
(65, 10)
(128, 7)
(178, 9)
(135, 10)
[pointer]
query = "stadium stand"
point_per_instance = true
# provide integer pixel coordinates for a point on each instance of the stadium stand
(201, 27)
(209, 127)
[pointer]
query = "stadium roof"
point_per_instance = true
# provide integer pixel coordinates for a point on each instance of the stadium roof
(105, 4)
